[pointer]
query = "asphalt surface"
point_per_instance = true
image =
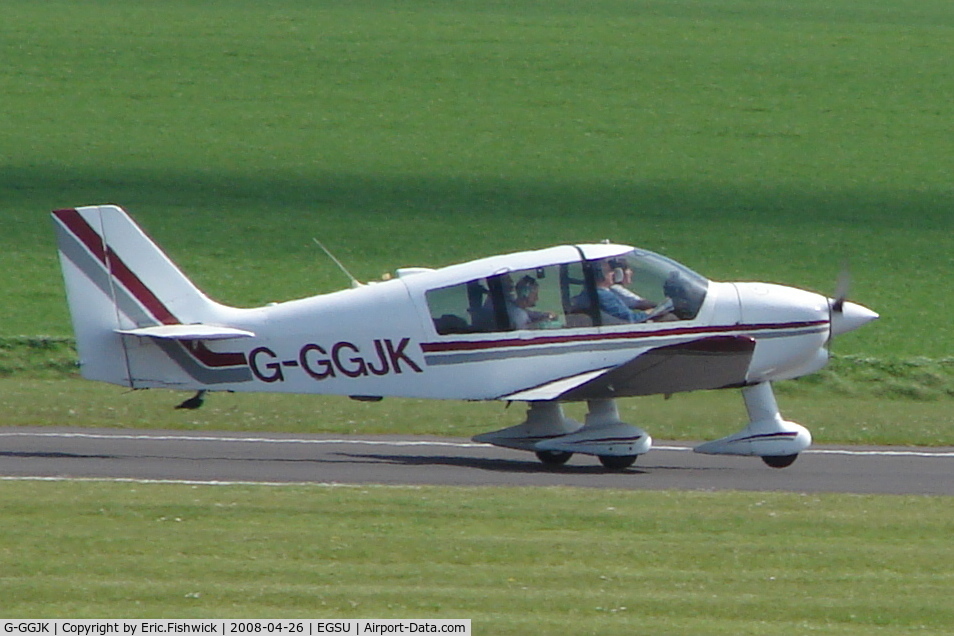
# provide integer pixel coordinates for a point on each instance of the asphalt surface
(225, 457)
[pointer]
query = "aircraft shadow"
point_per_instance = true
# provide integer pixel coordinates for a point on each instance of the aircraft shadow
(54, 455)
(488, 464)
(491, 464)
(496, 465)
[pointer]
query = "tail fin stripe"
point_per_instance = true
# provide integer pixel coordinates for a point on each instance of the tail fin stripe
(86, 263)
(91, 241)
(114, 265)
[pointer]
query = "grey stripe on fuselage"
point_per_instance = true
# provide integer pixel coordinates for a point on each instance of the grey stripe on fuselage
(528, 351)
(201, 373)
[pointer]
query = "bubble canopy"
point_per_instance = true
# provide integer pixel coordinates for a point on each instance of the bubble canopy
(563, 288)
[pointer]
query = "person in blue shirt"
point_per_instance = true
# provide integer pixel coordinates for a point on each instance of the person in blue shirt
(610, 303)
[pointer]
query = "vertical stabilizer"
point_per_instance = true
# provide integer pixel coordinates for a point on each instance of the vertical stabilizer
(117, 279)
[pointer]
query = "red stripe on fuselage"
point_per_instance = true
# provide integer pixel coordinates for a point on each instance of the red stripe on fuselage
(213, 358)
(477, 345)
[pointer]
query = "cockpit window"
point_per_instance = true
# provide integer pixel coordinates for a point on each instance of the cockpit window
(636, 287)
(539, 298)
(642, 286)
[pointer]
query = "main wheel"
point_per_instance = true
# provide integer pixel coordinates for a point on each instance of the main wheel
(618, 462)
(779, 461)
(554, 458)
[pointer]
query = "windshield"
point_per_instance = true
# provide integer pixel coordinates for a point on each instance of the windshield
(649, 280)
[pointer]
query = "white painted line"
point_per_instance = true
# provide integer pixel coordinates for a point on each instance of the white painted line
(880, 453)
(847, 451)
(195, 482)
(253, 440)
(435, 443)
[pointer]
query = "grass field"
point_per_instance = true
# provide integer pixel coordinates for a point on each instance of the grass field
(512, 560)
(751, 139)
(833, 418)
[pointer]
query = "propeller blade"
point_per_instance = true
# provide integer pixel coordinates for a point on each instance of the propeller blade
(843, 315)
(842, 288)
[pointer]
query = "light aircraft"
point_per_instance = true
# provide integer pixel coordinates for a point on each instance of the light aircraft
(588, 322)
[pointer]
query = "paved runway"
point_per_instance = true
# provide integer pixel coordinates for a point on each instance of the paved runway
(217, 457)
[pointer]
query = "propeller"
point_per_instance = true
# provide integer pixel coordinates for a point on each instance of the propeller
(843, 315)
(842, 287)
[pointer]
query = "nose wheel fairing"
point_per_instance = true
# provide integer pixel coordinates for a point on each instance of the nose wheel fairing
(767, 434)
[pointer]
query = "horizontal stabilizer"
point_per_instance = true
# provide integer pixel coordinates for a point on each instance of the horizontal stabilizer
(187, 332)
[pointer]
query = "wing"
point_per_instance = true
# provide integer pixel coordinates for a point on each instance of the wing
(707, 363)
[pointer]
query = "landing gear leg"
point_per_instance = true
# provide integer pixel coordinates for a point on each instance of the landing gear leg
(545, 421)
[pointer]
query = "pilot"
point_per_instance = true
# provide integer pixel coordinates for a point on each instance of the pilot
(610, 304)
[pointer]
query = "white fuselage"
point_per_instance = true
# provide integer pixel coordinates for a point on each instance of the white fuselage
(377, 341)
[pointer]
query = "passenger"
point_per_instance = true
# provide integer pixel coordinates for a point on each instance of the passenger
(526, 293)
(610, 304)
(622, 280)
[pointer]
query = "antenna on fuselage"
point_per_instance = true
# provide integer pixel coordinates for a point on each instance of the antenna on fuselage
(354, 281)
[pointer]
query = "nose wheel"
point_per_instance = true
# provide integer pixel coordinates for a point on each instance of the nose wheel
(779, 461)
